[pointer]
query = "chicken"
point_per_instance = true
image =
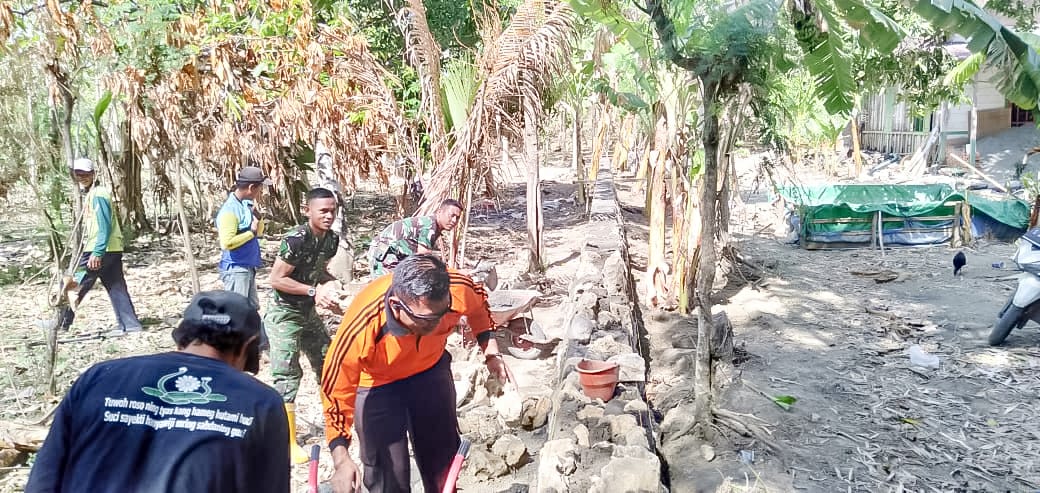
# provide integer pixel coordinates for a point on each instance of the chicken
(959, 261)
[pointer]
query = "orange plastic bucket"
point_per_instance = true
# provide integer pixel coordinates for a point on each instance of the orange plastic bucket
(598, 378)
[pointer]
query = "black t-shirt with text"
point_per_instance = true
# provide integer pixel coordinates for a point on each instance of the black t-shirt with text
(172, 422)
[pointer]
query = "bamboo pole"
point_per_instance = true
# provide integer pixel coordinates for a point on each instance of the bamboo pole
(975, 170)
(576, 158)
(534, 189)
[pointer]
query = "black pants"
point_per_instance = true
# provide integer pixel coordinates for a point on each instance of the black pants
(422, 406)
(111, 275)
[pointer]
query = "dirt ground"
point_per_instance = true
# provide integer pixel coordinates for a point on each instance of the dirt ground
(816, 325)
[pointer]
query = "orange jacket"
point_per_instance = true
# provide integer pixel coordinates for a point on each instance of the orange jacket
(361, 357)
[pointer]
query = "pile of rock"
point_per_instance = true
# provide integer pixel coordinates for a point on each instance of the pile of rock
(593, 445)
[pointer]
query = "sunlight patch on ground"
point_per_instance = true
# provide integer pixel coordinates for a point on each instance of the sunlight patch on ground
(806, 338)
(826, 297)
(991, 360)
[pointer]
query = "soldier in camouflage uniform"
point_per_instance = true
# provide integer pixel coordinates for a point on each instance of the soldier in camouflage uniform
(301, 282)
(410, 236)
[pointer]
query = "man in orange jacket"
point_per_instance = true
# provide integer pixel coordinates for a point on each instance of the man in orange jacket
(388, 374)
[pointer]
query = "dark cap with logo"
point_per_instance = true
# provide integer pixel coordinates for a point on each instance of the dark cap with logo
(222, 311)
(252, 174)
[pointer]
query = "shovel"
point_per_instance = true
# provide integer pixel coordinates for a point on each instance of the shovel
(456, 467)
(312, 475)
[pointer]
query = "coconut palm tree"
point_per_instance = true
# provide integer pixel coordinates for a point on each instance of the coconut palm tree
(516, 73)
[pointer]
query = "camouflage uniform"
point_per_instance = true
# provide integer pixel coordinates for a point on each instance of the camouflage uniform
(399, 240)
(292, 323)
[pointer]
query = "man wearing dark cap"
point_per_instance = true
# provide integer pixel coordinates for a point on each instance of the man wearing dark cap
(188, 420)
(102, 256)
(238, 230)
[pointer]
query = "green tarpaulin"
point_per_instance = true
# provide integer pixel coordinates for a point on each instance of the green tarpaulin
(837, 201)
(908, 211)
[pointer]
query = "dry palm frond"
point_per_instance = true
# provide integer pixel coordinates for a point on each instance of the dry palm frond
(6, 22)
(527, 56)
(423, 53)
(261, 97)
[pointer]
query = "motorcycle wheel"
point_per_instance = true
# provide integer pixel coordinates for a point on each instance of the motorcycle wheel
(1007, 321)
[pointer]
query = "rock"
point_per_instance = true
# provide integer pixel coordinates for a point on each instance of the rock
(633, 367)
(484, 465)
(480, 424)
(608, 319)
(614, 274)
(536, 412)
(620, 426)
(557, 460)
(581, 434)
(590, 412)
(708, 452)
(580, 328)
(636, 406)
(511, 449)
(10, 457)
(633, 452)
(682, 448)
(636, 437)
(677, 420)
(510, 407)
(573, 392)
(677, 357)
(516, 488)
(631, 475)
(586, 304)
(606, 346)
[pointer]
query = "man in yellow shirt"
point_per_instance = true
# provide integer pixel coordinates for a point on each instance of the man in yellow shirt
(102, 251)
(238, 230)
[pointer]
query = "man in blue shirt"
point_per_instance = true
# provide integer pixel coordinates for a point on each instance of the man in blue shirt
(102, 252)
(238, 230)
(183, 421)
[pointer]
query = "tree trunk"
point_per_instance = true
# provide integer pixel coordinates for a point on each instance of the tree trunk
(534, 188)
(619, 159)
(189, 255)
(598, 146)
(857, 158)
(126, 184)
(687, 273)
(703, 400)
(657, 264)
(63, 120)
(577, 160)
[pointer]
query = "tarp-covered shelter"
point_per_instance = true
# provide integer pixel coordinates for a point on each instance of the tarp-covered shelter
(837, 216)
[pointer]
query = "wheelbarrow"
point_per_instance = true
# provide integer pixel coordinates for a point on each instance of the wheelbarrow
(518, 333)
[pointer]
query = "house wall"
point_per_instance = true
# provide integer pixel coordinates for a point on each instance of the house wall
(994, 112)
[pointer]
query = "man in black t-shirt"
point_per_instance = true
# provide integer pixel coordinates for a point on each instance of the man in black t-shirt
(184, 421)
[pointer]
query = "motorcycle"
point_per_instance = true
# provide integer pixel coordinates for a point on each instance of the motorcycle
(1024, 304)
